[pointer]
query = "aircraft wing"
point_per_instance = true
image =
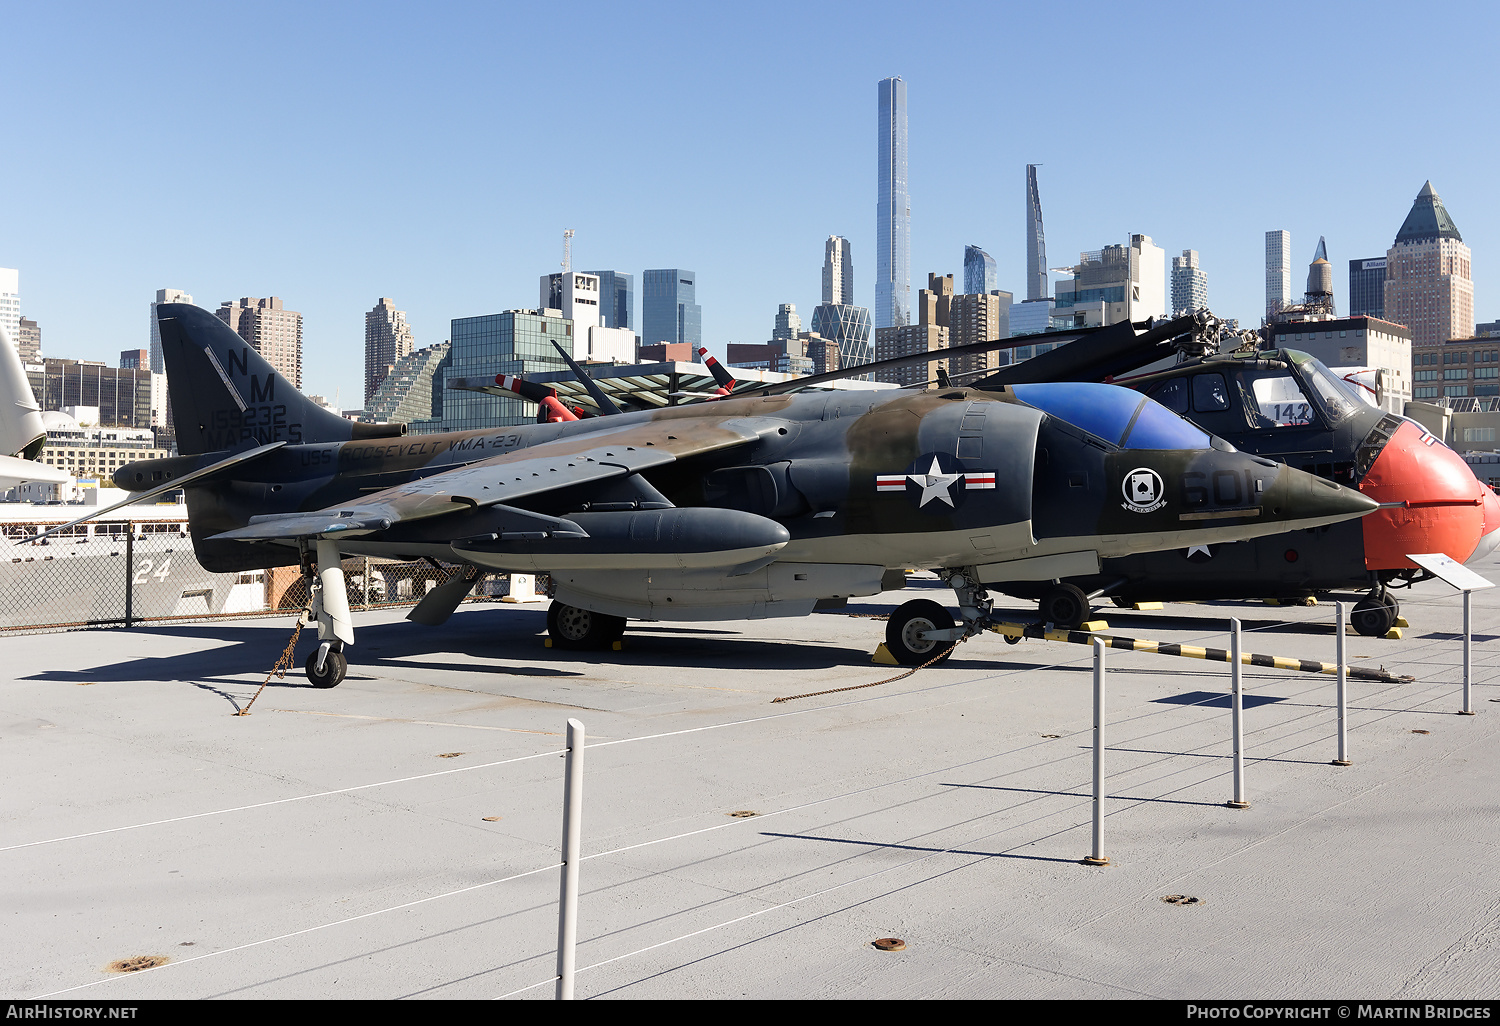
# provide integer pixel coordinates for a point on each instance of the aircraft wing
(504, 479)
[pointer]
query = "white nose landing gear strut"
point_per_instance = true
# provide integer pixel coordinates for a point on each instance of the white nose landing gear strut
(327, 664)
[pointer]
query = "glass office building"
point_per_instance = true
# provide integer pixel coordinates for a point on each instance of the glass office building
(669, 310)
(893, 212)
(849, 326)
(1367, 287)
(979, 272)
(513, 342)
(617, 298)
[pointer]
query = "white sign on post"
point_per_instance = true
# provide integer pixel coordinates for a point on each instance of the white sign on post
(1448, 569)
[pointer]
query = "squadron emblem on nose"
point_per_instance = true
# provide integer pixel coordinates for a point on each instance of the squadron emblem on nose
(1143, 491)
(937, 478)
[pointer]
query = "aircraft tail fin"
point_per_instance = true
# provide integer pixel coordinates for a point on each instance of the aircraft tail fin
(225, 395)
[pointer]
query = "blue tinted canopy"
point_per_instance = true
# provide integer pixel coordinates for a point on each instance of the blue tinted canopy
(1116, 414)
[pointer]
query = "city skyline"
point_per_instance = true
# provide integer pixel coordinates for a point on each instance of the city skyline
(87, 231)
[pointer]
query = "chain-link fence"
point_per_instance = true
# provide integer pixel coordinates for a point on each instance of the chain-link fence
(127, 573)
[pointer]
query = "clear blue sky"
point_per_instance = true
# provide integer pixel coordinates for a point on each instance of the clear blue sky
(335, 153)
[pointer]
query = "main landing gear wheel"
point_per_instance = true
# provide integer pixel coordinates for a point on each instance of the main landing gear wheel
(903, 631)
(1374, 615)
(572, 627)
(1065, 605)
(335, 666)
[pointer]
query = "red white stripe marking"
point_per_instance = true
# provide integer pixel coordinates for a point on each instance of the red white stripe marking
(981, 480)
(890, 483)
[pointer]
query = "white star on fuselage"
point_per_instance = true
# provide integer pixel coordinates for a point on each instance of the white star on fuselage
(935, 484)
(1199, 548)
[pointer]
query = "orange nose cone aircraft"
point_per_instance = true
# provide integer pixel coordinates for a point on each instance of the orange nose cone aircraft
(1446, 508)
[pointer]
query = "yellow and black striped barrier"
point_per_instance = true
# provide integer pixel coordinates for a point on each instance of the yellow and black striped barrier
(1017, 631)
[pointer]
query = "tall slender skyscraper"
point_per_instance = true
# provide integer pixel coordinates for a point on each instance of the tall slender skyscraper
(1278, 271)
(838, 271)
(1036, 240)
(979, 272)
(893, 212)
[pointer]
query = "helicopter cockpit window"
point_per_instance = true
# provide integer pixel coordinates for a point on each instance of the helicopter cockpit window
(1173, 395)
(1210, 393)
(1338, 398)
(1280, 400)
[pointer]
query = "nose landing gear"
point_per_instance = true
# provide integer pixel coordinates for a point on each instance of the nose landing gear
(328, 665)
(1375, 614)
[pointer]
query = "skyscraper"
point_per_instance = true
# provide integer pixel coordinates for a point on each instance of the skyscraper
(928, 335)
(273, 331)
(617, 298)
(669, 311)
(849, 327)
(1367, 287)
(1427, 283)
(893, 211)
(788, 324)
(1278, 271)
(979, 272)
(28, 339)
(838, 271)
(1189, 283)
(163, 296)
(10, 301)
(1036, 241)
(387, 339)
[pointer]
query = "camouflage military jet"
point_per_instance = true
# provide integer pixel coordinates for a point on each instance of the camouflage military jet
(739, 508)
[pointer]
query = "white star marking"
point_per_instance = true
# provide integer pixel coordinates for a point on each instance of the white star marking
(935, 484)
(1199, 548)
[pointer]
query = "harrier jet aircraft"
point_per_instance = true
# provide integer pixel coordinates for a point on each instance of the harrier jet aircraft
(739, 508)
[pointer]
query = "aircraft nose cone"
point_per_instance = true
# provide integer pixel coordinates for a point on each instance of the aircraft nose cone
(1490, 539)
(1303, 500)
(1445, 507)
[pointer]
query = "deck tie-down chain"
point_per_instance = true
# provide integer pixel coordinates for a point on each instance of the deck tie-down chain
(889, 680)
(287, 656)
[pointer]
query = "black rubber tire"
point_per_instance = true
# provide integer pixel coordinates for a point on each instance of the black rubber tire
(909, 619)
(575, 628)
(1372, 619)
(1064, 605)
(335, 668)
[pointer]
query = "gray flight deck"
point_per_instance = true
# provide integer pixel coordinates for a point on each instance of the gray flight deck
(397, 836)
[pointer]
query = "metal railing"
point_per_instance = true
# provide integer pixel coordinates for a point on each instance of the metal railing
(145, 575)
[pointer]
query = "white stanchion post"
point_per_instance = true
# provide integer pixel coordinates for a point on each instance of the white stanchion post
(1343, 688)
(1097, 858)
(1468, 709)
(1236, 687)
(567, 910)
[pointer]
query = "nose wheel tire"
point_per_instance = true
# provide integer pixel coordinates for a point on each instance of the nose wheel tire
(1373, 618)
(335, 666)
(1065, 605)
(575, 628)
(903, 631)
